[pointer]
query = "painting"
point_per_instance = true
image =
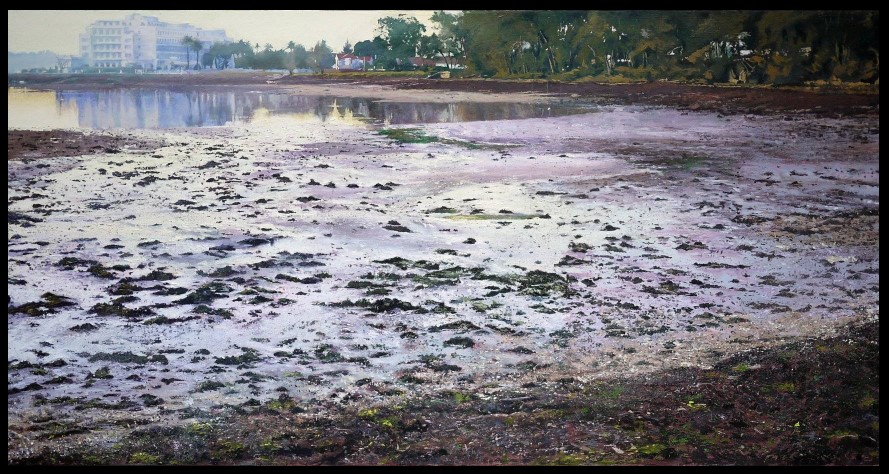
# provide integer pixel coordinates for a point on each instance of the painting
(443, 237)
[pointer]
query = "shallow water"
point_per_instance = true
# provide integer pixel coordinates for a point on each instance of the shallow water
(147, 108)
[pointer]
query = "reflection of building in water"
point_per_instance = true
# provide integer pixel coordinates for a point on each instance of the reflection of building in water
(155, 109)
(142, 41)
(31, 109)
(363, 110)
(145, 108)
(345, 113)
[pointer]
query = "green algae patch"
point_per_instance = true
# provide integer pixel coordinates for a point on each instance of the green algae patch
(415, 135)
(408, 135)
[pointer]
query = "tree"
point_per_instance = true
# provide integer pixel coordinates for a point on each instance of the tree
(269, 59)
(365, 48)
(402, 35)
(782, 38)
(242, 49)
(503, 43)
(188, 42)
(320, 56)
(289, 60)
(451, 39)
(63, 62)
(298, 57)
(766, 46)
(845, 45)
(430, 46)
(197, 45)
(375, 48)
(220, 54)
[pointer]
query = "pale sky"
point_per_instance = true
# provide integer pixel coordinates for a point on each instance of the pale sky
(58, 30)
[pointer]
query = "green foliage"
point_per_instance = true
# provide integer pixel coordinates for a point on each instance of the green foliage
(365, 48)
(320, 56)
(449, 41)
(403, 35)
(779, 47)
(297, 57)
(220, 55)
(189, 43)
(773, 47)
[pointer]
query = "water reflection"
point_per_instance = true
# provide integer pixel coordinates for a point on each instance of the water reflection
(158, 108)
(38, 110)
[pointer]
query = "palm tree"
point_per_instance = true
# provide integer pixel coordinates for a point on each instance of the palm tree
(188, 42)
(291, 46)
(197, 45)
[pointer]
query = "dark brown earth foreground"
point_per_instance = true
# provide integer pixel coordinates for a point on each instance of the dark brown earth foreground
(813, 401)
(725, 99)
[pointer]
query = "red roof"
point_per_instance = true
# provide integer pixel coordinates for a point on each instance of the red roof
(418, 61)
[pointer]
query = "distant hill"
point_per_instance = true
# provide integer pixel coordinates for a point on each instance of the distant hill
(18, 61)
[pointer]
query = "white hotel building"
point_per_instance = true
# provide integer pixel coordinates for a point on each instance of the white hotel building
(142, 41)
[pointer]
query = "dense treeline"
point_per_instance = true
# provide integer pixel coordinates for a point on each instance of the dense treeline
(776, 47)
(772, 46)
(243, 55)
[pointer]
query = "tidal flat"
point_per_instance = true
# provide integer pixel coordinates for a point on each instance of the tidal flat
(281, 278)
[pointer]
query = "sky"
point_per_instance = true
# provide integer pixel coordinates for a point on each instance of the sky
(58, 30)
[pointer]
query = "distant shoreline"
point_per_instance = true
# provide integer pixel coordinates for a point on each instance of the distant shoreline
(746, 99)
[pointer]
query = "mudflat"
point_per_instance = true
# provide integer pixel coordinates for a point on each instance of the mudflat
(681, 275)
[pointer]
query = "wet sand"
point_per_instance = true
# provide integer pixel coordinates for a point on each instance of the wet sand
(509, 292)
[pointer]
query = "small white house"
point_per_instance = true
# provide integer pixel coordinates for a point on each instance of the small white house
(350, 62)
